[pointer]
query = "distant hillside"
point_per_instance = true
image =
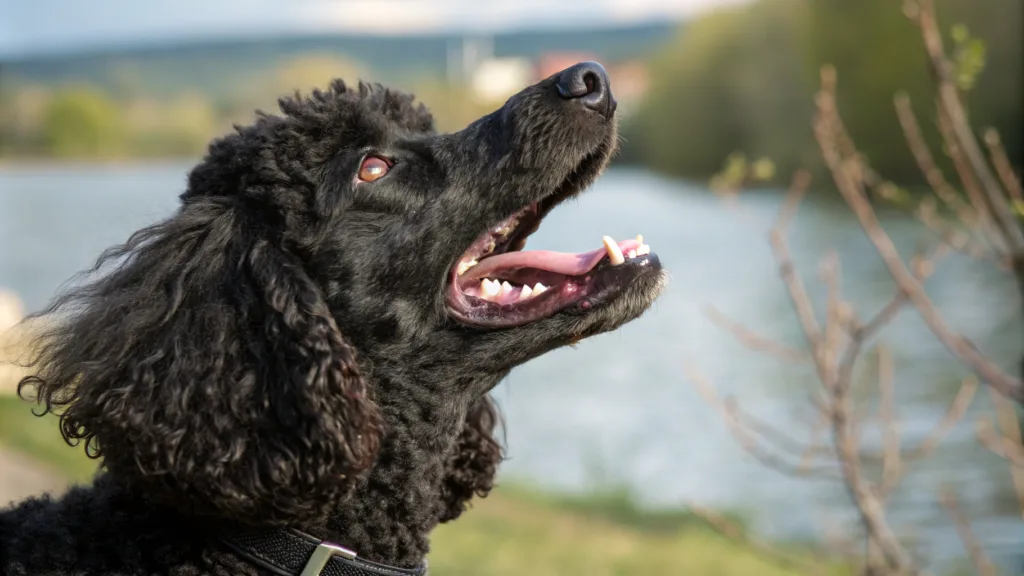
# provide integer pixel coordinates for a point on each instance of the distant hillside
(216, 66)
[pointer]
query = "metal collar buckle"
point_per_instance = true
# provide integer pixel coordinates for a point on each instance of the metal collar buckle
(322, 555)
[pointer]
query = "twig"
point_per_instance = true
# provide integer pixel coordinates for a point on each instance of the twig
(1006, 416)
(956, 412)
(962, 164)
(743, 436)
(980, 560)
(932, 173)
(1002, 163)
(731, 531)
(755, 341)
(998, 444)
(950, 103)
(787, 272)
(892, 463)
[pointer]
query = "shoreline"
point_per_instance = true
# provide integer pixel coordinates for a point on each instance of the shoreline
(12, 165)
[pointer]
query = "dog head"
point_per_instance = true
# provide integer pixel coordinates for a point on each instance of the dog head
(221, 362)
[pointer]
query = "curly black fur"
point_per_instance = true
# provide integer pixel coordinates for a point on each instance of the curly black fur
(278, 352)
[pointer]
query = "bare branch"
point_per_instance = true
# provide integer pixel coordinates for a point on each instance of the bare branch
(951, 105)
(988, 226)
(731, 531)
(932, 173)
(892, 463)
(956, 412)
(1002, 164)
(1006, 416)
(787, 271)
(998, 444)
(755, 341)
(746, 439)
(853, 192)
(927, 213)
(980, 560)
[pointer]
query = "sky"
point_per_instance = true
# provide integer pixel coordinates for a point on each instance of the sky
(34, 26)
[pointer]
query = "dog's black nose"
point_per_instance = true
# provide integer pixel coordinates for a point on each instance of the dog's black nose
(588, 83)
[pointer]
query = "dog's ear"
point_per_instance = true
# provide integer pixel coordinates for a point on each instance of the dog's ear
(207, 369)
(470, 469)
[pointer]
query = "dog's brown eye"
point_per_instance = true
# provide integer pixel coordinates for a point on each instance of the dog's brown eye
(372, 168)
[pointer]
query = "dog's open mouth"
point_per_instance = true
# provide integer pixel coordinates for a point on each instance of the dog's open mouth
(497, 284)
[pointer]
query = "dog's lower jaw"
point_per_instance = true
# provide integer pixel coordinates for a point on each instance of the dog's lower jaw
(389, 516)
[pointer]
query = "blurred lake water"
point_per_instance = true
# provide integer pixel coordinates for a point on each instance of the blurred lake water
(618, 409)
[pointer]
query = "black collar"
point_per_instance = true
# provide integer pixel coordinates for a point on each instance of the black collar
(289, 552)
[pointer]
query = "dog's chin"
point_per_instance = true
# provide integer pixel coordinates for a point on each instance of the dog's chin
(495, 284)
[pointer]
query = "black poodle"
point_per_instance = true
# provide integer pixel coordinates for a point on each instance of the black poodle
(291, 373)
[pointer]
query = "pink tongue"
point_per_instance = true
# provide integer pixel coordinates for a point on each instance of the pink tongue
(559, 262)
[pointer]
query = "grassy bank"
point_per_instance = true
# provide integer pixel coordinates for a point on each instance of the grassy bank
(517, 530)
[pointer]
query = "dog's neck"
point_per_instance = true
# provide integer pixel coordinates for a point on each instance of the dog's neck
(389, 517)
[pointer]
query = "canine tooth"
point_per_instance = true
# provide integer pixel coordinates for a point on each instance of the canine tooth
(506, 288)
(643, 249)
(489, 289)
(640, 238)
(525, 292)
(631, 253)
(466, 265)
(614, 252)
(489, 247)
(538, 288)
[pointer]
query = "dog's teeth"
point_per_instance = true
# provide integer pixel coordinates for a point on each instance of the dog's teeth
(631, 253)
(489, 248)
(489, 289)
(525, 292)
(505, 290)
(643, 249)
(640, 238)
(463, 266)
(538, 288)
(614, 252)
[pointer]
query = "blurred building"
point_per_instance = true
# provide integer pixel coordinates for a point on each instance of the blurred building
(494, 80)
(553, 62)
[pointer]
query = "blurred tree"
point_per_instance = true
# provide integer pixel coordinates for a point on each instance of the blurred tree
(181, 127)
(744, 79)
(879, 52)
(730, 80)
(452, 105)
(21, 111)
(82, 122)
(303, 73)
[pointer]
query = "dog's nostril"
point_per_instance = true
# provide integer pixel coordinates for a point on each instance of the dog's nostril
(587, 83)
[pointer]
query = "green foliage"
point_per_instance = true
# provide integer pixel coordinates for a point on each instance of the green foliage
(737, 171)
(40, 437)
(82, 122)
(968, 57)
